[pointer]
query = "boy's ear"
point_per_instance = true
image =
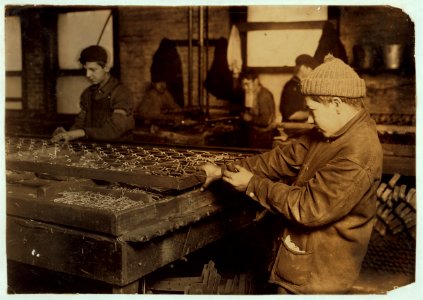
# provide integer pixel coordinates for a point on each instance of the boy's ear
(337, 102)
(107, 67)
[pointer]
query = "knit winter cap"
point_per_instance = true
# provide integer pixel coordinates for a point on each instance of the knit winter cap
(93, 54)
(333, 78)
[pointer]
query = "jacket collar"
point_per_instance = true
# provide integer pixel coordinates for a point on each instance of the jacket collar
(107, 88)
(358, 118)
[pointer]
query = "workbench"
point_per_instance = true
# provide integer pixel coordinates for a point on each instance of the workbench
(117, 246)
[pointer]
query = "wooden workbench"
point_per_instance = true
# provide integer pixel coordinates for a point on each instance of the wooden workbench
(121, 261)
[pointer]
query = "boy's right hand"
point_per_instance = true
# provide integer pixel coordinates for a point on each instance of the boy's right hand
(213, 173)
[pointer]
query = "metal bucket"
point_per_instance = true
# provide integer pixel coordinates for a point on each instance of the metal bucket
(392, 56)
(364, 56)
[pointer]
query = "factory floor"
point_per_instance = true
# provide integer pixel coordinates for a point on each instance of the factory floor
(377, 282)
(389, 264)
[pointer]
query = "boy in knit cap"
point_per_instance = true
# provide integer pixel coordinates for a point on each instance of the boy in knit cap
(328, 212)
(106, 106)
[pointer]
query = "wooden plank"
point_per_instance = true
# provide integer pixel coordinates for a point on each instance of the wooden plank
(281, 25)
(399, 164)
(147, 232)
(108, 259)
(61, 214)
(131, 288)
(161, 251)
(152, 217)
(174, 284)
(139, 178)
(65, 250)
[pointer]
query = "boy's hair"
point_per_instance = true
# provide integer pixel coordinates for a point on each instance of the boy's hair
(357, 103)
(306, 60)
(94, 54)
(249, 75)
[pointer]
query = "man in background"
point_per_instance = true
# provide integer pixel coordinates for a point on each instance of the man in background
(106, 106)
(259, 111)
(292, 105)
(158, 102)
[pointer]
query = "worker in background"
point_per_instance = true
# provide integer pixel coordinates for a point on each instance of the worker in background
(292, 105)
(329, 209)
(106, 106)
(259, 111)
(158, 102)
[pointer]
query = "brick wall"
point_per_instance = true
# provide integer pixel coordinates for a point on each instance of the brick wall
(142, 29)
(33, 61)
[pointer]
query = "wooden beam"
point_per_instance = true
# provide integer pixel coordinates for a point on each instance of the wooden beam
(252, 26)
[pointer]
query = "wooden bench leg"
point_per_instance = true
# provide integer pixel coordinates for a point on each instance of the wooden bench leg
(131, 288)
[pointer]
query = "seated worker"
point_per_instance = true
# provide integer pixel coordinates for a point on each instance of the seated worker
(158, 102)
(259, 112)
(328, 211)
(292, 105)
(106, 106)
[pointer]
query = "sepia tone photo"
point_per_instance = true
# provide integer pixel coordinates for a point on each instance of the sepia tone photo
(209, 149)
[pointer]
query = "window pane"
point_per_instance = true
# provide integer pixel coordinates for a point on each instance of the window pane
(16, 105)
(13, 44)
(78, 30)
(282, 46)
(13, 87)
(69, 89)
(286, 13)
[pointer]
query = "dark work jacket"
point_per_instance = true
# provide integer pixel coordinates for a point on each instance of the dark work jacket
(329, 209)
(97, 106)
(291, 99)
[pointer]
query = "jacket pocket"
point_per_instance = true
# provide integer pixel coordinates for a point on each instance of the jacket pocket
(292, 265)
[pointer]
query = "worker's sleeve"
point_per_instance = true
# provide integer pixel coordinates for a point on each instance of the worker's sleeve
(280, 162)
(122, 99)
(328, 196)
(80, 119)
(266, 110)
(119, 122)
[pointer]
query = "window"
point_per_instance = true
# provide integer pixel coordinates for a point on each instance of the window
(278, 34)
(13, 63)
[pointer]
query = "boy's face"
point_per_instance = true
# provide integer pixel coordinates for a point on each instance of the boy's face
(325, 116)
(95, 72)
(250, 85)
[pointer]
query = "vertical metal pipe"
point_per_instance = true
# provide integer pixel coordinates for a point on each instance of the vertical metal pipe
(200, 56)
(190, 56)
(206, 64)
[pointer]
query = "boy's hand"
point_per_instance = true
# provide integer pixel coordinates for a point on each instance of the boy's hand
(240, 179)
(213, 173)
(68, 135)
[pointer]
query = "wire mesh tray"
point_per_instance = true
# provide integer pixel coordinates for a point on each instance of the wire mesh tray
(146, 166)
(101, 209)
